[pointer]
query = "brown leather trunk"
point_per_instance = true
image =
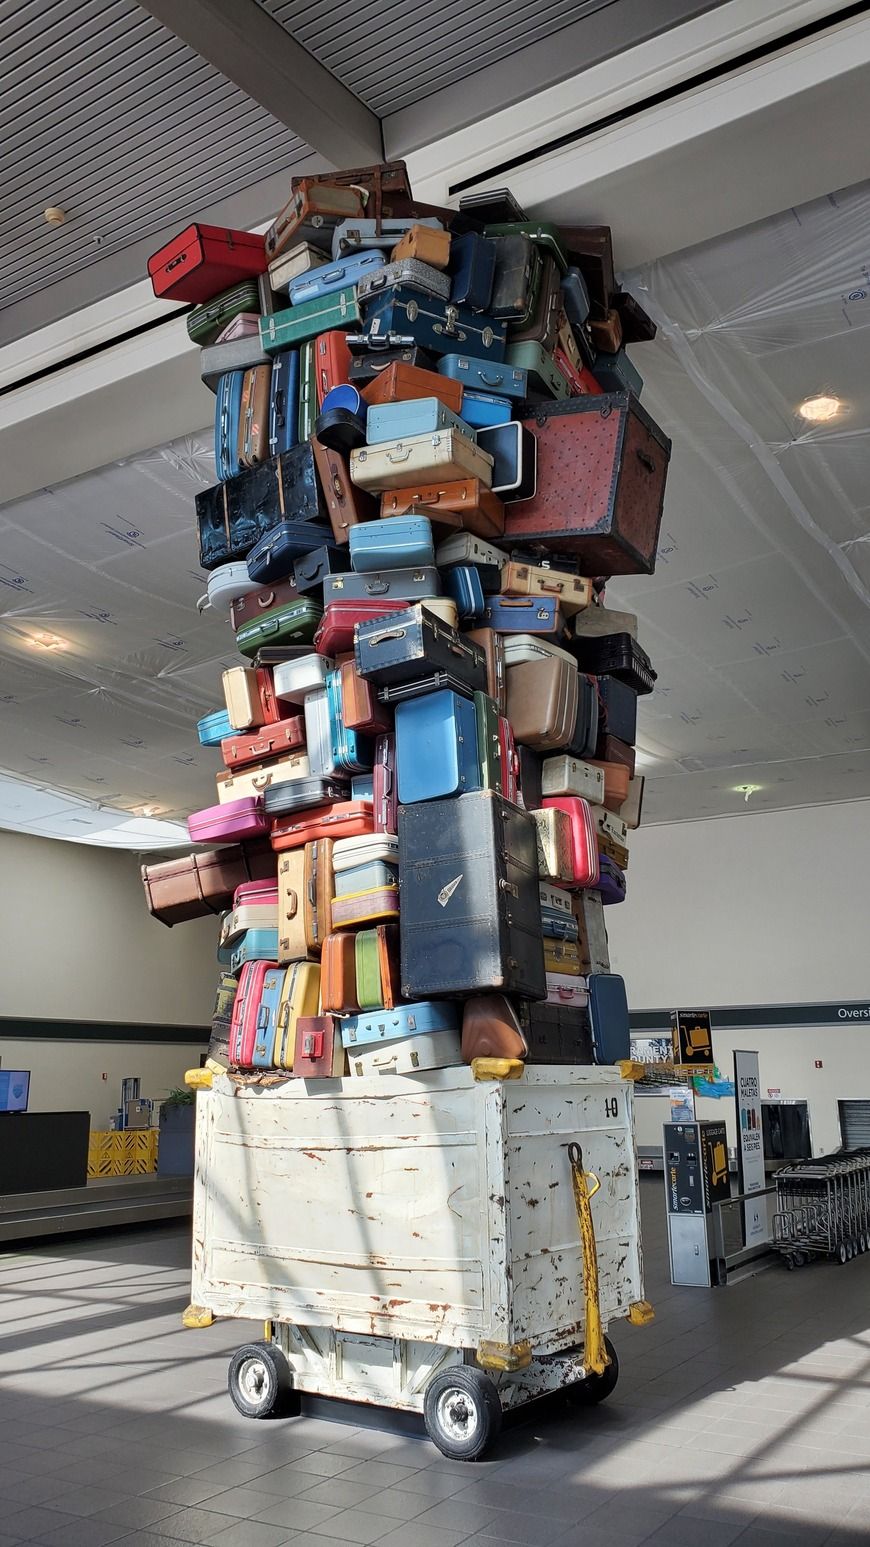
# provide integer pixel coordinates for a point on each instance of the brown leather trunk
(492, 645)
(398, 383)
(318, 1053)
(611, 750)
(616, 781)
(607, 332)
(542, 700)
(195, 885)
(490, 1029)
(338, 973)
(319, 886)
(361, 709)
(465, 505)
(346, 504)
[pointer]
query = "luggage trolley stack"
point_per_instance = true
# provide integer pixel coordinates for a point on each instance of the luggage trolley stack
(430, 457)
(823, 1208)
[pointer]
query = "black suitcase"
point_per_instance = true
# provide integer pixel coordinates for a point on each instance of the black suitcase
(556, 1034)
(472, 271)
(233, 516)
(517, 280)
(226, 532)
(365, 367)
(299, 794)
(531, 774)
(617, 709)
(313, 570)
(615, 655)
(438, 680)
(406, 646)
(471, 908)
(585, 737)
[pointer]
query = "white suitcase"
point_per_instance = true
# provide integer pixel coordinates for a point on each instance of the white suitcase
(589, 913)
(408, 1055)
(444, 608)
(293, 679)
(565, 990)
(251, 915)
(555, 856)
(609, 826)
(594, 621)
(464, 548)
(253, 781)
(299, 260)
(347, 853)
(318, 734)
(528, 647)
(442, 454)
(556, 898)
(224, 584)
(565, 775)
(630, 810)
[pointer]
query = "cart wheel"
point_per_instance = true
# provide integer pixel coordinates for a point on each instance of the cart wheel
(462, 1412)
(791, 1261)
(862, 1242)
(842, 1254)
(259, 1381)
(595, 1388)
(850, 1249)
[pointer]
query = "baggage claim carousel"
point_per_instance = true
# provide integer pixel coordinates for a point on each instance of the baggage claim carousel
(103, 1204)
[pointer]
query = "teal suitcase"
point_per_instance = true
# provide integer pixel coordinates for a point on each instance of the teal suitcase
(287, 329)
(488, 742)
(294, 623)
(544, 377)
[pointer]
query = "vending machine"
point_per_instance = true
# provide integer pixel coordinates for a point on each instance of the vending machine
(696, 1178)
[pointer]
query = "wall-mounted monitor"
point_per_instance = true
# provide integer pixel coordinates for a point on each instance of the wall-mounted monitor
(14, 1090)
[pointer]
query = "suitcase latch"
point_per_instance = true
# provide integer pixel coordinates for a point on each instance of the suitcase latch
(312, 1044)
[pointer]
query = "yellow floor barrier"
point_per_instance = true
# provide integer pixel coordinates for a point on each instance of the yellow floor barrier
(131, 1153)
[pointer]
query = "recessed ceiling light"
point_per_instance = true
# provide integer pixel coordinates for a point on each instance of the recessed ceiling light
(49, 641)
(149, 810)
(819, 410)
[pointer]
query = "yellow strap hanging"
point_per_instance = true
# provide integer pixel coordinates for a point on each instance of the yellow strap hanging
(595, 1355)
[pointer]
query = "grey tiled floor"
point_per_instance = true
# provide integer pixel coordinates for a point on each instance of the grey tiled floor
(741, 1415)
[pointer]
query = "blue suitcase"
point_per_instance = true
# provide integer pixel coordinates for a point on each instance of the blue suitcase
(436, 747)
(263, 1055)
(514, 450)
(523, 615)
(617, 708)
(255, 945)
(366, 878)
(463, 584)
(352, 751)
(214, 728)
(417, 416)
(333, 276)
(437, 325)
(272, 558)
(472, 271)
(485, 375)
(481, 409)
(284, 402)
(362, 787)
(615, 373)
(403, 542)
(608, 1017)
(227, 410)
(406, 1020)
(575, 298)
(555, 926)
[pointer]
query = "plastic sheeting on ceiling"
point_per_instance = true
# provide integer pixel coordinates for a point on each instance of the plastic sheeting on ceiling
(757, 616)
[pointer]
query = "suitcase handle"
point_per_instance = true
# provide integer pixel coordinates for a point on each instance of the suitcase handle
(492, 381)
(395, 633)
(646, 461)
(292, 907)
(261, 780)
(203, 603)
(378, 587)
(402, 453)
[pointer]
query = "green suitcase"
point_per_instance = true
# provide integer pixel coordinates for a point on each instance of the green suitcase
(547, 237)
(294, 623)
(545, 378)
(307, 389)
(376, 960)
(205, 322)
(489, 751)
(284, 330)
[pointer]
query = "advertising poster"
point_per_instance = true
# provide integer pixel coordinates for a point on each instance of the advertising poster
(750, 1145)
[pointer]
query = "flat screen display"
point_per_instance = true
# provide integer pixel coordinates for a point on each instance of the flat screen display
(14, 1089)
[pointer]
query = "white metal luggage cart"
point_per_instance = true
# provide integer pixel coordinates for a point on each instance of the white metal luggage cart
(420, 1242)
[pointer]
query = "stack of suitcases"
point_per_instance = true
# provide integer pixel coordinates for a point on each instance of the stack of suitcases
(430, 457)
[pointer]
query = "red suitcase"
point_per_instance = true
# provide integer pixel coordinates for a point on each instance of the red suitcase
(602, 465)
(335, 631)
(385, 790)
(203, 260)
(332, 363)
(318, 1053)
(345, 819)
(273, 739)
(582, 381)
(246, 1006)
(510, 762)
(584, 837)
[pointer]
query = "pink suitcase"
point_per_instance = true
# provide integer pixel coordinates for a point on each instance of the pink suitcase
(232, 819)
(565, 990)
(261, 893)
(584, 836)
(243, 325)
(246, 1005)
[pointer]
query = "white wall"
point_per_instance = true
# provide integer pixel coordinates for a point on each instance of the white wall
(79, 945)
(770, 908)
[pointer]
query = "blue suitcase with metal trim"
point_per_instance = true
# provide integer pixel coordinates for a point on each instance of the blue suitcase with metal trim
(260, 945)
(284, 402)
(523, 615)
(436, 747)
(485, 375)
(437, 325)
(481, 410)
(403, 542)
(333, 276)
(555, 926)
(214, 728)
(416, 416)
(608, 1017)
(472, 271)
(463, 584)
(405, 1020)
(263, 1055)
(227, 411)
(272, 558)
(351, 750)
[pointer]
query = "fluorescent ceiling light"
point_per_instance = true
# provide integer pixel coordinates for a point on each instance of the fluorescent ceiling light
(820, 410)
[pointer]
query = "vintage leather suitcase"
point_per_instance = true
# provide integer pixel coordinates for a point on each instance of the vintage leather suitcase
(361, 710)
(344, 819)
(379, 904)
(377, 967)
(489, 753)
(602, 465)
(425, 244)
(207, 321)
(399, 544)
(204, 260)
(524, 615)
(234, 515)
(332, 363)
(543, 325)
(284, 402)
(260, 599)
(253, 442)
(213, 728)
(338, 974)
(292, 941)
(437, 325)
(555, 849)
(567, 775)
(472, 271)
(606, 331)
(335, 636)
(414, 645)
(254, 780)
(514, 453)
(471, 919)
(571, 591)
(228, 820)
(557, 1034)
(317, 1052)
(545, 380)
(294, 621)
(609, 749)
(547, 237)
(542, 699)
(598, 620)
(349, 270)
(317, 893)
(406, 275)
(584, 837)
(481, 410)
(274, 740)
(436, 747)
(400, 383)
(608, 1017)
(492, 645)
(385, 797)
(518, 274)
(192, 886)
(250, 697)
(246, 1007)
(591, 932)
(465, 503)
(227, 415)
(616, 784)
(616, 655)
(345, 504)
(311, 215)
(298, 324)
(446, 454)
(491, 1029)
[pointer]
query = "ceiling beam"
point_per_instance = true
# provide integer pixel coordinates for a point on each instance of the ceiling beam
(255, 52)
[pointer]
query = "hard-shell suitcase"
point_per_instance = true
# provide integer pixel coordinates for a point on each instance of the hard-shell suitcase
(385, 795)
(513, 451)
(463, 584)
(547, 237)
(488, 743)
(564, 989)
(274, 740)
(361, 709)
(194, 885)
(300, 259)
(204, 260)
(273, 557)
(227, 415)
(353, 751)
(612, 514)
(234, 515)
(365, 368)
(632, 806)
(345, 503)
(435, 682)
(598, 620)
(332, 363)
(492, 645)
(414, 645)
(402, 585)
(425, 244)
(373, 848)
(303, 794)
(616, 784)
(403, 420)
(284, 402)
(471, 918)
(611, 881)
(378, 905)
(617, 708)
(334, 276)
(220, 359)
(207, 321)
(246, 325)
(465, 503)
(319, 733)
(250, 697)
(591, 932)
(530, 764)
(545, 380)
(313, 569)
(253, 439)
(261, 599)
(317, 892)
(510, 761)
(557, 928)
(472, 271)
(370, 876)
(609, 749)
(611, 828)
(485, 375)
(608, 1017)
(518, 272)
(438, 325)
(567, 775)
(524, 615)
(616, 655)
(543, 324)
(407, 1055)
(563, 957)
(351, 235)
(555, 853)
(298, 324)
(263, 1051)
(422, 1019)
(335, 636)
(292, 940)
(283, 625)
(377, 967)
(338, 974)
(444, 454)
(584, 837)
(227, 585)
(482, 409)
(254, 945)
(300, 998)
(243, 1025)
(307, 390)
(557, 1034)
(293, 679)
(400, 383)
(254, 780)
(318, 1053)
(311, 215)
(519, 648)
(465, 548)
(344, 819)
(406, 275)
(571, 591)
(555, 900)
(584, 735)
(436, 747)
(616, 373)
(221, 1021)
(405, 542)
(212, 728)
(575, 297)
(637, 325)
(228, 820)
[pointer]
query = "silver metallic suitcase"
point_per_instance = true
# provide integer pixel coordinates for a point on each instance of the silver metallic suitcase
(409, 272)
(318, 734)
(565, 775)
